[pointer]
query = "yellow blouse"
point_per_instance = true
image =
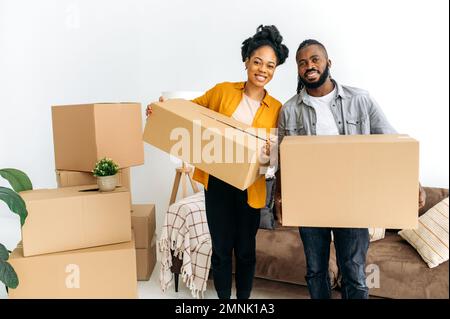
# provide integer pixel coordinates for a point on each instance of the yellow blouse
(225, 98)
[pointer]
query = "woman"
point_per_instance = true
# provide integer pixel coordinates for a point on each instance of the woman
(233, 215)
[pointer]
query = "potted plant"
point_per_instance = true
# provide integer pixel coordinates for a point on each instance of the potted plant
(105, 170)
(19, 181)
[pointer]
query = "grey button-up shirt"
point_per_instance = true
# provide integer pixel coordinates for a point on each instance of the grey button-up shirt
(354, 111)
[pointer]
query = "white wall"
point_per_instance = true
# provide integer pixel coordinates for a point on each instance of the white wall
(62, 52)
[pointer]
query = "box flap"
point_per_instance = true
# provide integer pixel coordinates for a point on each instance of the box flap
(348, 139)
(87, 190)
(18, 252)
(178, 106)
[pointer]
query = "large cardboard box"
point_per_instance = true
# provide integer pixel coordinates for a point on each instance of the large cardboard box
(213, 142)
(83, 134)
(100, 272)
(350, 181)
(73, 218)
(75, 178)
(145, 261)
(144, 224)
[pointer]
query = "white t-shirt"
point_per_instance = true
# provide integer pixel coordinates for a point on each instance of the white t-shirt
(326, 124)
(246, 110)
(245, 113)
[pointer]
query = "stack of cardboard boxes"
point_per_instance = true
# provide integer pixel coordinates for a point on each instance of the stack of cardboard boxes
(78, 242)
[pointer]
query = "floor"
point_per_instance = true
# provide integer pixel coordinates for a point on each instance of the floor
(262, 289)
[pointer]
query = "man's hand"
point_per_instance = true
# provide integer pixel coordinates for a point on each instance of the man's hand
(422, 197)
(149, 109)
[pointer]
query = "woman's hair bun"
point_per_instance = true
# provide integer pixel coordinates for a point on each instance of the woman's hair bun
(265, 35)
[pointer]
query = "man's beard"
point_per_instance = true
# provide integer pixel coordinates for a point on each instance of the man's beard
(314, 85)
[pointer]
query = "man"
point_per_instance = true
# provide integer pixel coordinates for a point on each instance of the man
(324, 107)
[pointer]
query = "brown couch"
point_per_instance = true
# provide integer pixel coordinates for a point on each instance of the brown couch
(403, 273)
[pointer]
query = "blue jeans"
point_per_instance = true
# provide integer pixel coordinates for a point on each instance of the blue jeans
(351, 249)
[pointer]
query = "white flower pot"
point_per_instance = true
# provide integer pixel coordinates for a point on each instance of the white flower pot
(107, 183)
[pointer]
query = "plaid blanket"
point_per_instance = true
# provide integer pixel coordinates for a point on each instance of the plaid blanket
(185, 231)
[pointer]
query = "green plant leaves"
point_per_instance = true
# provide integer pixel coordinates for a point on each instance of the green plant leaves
(105, 167)
(4, 254)
(19, 180)
(7, 275)
(14, 202)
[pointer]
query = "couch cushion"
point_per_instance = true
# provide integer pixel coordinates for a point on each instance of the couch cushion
(430, 239)
(402, 272)
(376, 234)
(280, 256)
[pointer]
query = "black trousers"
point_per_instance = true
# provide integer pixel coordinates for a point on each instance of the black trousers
(233, 225)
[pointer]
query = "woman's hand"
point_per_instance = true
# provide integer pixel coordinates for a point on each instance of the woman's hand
(264, 155)
(267, 147)
(269, 152)
(149, 109)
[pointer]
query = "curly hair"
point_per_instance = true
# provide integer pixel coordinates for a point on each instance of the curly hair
(265, 35)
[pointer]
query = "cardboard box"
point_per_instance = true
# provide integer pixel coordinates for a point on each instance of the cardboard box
(83, 134)
(145, 261)
(100, 272)
(143, 223)
(350, 181)
(73, 218)
(177, 123)
(75, 178)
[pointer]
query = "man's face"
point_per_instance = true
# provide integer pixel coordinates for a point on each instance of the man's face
(313, 66)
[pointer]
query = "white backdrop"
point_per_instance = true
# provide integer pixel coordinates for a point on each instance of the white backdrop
(68, 51)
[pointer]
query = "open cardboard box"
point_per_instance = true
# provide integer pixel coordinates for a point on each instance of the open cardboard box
(212, 142)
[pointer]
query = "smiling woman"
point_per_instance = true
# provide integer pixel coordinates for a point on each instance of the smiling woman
(234, 215)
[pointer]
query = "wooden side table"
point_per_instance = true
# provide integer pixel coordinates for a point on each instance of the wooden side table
(182, 174)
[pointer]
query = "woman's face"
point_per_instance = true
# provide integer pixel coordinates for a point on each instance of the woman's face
(261, 66)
